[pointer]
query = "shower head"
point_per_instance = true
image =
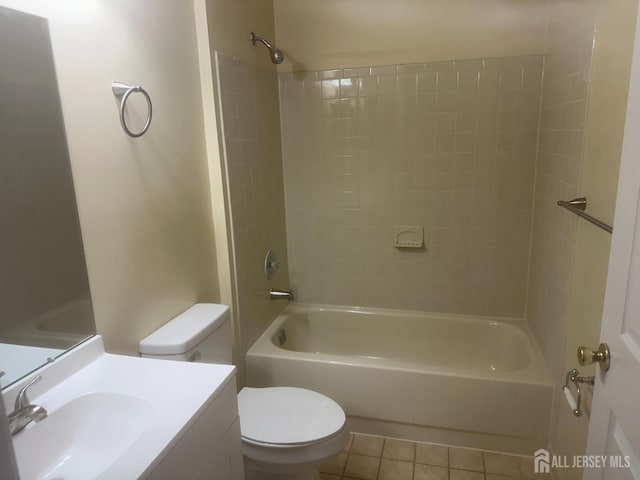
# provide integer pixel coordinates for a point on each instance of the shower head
(275, 54)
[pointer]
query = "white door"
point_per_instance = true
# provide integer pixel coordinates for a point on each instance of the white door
(615, 417)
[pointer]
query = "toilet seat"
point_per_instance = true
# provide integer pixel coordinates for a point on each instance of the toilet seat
(287, 417)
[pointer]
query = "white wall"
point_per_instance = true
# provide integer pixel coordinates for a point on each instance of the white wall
(144, 203)
(317, 35)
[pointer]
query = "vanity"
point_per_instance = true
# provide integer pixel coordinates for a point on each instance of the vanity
(119, 417)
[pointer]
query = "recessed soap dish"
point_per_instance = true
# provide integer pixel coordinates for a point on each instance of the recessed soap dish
(409, 237)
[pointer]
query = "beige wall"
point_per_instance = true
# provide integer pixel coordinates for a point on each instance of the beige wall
(231, 22)
(250, 119)
(448, 147)
(317, 35)
(144, 203)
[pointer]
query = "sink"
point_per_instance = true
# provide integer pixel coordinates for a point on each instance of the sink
(82, 438)
(111, 417)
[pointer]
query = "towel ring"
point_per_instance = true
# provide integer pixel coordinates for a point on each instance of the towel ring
(123, 90)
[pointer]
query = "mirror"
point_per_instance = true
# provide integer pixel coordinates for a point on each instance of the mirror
(45, 304)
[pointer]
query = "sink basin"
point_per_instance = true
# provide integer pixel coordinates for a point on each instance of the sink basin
(80, 439)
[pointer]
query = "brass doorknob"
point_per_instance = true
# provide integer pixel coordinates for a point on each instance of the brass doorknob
(586, 356)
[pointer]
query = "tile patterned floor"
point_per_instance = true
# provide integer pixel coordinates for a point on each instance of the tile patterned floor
(369, 457)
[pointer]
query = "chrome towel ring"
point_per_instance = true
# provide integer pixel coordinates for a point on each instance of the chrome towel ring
(124, 91)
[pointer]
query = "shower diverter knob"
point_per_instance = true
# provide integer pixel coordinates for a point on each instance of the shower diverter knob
(271, 264)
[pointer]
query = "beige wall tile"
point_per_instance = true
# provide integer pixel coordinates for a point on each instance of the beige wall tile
(558, 177)
(423, 152)
(250, 120)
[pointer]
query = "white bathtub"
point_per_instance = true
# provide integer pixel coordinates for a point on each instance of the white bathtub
(477, 382)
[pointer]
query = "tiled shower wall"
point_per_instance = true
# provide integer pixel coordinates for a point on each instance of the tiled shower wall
(562, 130)
(448, 146)
(249, 103)
(564, 110)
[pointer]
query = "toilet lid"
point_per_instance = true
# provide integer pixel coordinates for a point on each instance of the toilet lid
(287, 416)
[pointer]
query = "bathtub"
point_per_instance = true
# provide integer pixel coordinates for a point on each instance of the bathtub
(469, 381)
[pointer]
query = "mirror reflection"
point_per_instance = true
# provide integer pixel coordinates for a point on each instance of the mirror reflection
(45, 304)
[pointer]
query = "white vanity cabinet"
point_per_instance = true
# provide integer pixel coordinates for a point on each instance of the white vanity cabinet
(116, 417)
(211, 448)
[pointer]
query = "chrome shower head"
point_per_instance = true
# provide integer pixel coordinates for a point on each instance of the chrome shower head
(276, 55)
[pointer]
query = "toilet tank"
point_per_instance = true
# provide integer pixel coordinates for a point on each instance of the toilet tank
(200, 334)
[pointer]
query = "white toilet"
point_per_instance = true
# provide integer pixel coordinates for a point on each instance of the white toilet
(286, 432)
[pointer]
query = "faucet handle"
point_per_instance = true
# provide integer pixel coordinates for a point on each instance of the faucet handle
(22, 400)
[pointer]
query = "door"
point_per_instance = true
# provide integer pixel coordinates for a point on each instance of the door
(615, 417)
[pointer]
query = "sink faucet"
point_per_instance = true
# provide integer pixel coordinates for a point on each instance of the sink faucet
(276, 294)
(25, 413)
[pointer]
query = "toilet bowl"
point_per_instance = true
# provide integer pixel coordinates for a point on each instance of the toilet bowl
(287, 432)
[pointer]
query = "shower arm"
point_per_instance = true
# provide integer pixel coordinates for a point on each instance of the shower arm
(255, 38)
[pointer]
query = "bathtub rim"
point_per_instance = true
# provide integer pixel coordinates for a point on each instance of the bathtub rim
(536, 373)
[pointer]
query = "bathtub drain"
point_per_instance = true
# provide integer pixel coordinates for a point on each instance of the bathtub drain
(281, 335)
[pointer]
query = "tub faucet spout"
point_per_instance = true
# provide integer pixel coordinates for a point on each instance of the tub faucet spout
(276, 294)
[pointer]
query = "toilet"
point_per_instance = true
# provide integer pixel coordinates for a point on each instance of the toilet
(287, 432)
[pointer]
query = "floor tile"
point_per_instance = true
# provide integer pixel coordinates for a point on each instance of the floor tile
(466, 459)
(348, 446)
(526, 469)
(372, 457)
(326, 476)
(335, 465)
(465, 475)
(399, 450)
(367, 445)
(501, 464)
(432, 454)
(395, 470)
(430, 472)
(525, 464)
(494, 476)
(362, 466)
